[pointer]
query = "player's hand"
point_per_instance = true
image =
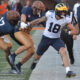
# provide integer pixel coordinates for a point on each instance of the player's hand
(74, 37)
(24, 25)
(67, 32)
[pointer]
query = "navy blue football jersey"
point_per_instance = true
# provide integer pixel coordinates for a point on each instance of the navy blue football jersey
(29, 13)
(5, 26)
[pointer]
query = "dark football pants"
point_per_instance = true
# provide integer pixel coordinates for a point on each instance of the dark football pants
(45, 42)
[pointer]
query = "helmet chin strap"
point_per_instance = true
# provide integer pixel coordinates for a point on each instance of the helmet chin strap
(62, 16)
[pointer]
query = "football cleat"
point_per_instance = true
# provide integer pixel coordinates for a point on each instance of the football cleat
(13, 70)
(33, 65)
(18, 69)
(11, 59)
(72, 61)
(70, 74)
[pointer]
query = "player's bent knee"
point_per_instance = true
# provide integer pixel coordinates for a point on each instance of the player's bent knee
(29, 45)
(31, 50)
(62, 51)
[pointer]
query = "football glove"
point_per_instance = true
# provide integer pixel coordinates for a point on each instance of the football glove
(24, 25)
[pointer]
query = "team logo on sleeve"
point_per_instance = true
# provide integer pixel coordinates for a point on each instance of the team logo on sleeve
(29, 16)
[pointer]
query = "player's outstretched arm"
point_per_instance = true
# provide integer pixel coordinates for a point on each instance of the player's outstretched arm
(34, 22)
(39, 20)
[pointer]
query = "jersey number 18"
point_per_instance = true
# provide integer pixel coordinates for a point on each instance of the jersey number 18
(54, 29)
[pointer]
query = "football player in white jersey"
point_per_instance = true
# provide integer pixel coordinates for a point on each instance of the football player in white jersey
(51, 36)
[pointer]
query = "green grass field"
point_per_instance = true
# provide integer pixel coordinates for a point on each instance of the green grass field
(3, 62)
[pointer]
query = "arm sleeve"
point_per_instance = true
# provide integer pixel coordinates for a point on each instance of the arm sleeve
(24, 11)
(47, 14)
(68, 19)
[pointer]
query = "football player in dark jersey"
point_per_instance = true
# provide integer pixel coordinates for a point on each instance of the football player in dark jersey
(69, 39)
(7, 25)
(23, 37)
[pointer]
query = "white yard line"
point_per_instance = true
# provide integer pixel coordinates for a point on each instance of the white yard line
(5, 75)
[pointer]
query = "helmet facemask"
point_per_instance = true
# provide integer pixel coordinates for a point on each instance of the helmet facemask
(61, 14)
(38, 7)
(37, 11)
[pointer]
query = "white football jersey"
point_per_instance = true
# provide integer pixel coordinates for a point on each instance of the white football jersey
(76, 5)
(54, 26)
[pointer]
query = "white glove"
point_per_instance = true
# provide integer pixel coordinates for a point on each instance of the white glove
(24, 25)
(69, 32)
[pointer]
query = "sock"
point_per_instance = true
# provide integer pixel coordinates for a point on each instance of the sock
(67, 69)
(12, 67)
(14, 55)
(36, 61)
(19, 65)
